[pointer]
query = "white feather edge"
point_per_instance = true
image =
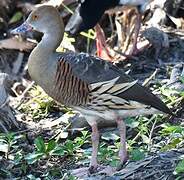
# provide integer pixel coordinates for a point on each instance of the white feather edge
(111, 87)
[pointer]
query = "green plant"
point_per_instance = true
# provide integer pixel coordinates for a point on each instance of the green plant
(137, 154)
(90, 35)
(39, 104)
(81, 140)
(174, 135)
(44, 150)
(108, 154)
(179, 168)
(8, 142)
(69, 147)
(16, 17)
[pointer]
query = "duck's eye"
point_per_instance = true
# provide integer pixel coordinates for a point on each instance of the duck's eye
(35, 17)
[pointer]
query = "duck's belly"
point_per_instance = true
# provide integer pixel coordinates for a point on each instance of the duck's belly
(113, 114)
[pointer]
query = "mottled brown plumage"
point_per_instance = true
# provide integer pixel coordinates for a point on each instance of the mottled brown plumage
(69, 89)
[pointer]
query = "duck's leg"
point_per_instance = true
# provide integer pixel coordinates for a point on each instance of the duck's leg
(122, 151)
(102, 48)
(95, 142)
(84, 171)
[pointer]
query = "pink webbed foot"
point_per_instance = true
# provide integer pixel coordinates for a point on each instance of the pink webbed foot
(109, 170)
(86, 171)
(80, 172)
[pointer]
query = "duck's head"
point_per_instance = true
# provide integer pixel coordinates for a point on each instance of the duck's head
(43, 19)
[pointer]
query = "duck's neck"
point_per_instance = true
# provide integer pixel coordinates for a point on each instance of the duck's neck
(41, 57)
(48, 44)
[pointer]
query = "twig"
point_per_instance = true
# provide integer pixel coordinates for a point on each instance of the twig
(147, 80)
(22, 96)
(135, 138)
(111, 25)
(128, 38)
(151, 174)
(126, 55)
(3, 127)
(25, 130)
(155, 172)
(14, 43)
(151, 133)
(175, 101)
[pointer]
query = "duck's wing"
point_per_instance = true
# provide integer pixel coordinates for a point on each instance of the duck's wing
(103, 78)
